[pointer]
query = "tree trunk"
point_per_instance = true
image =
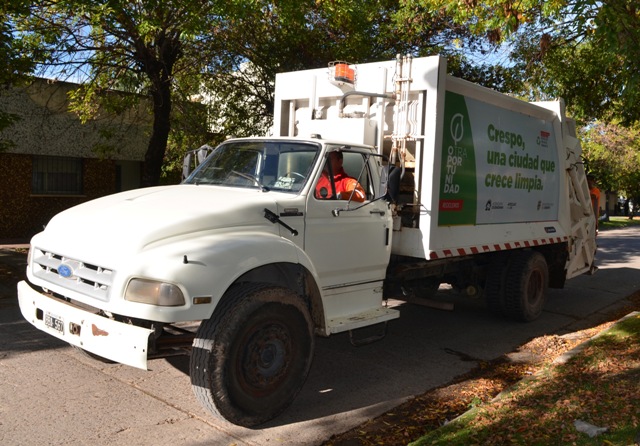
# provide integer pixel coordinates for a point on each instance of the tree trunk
(159, 134)
(158, 62)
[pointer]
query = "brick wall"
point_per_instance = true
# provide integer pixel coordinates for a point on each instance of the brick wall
(22, 215)
(47, 128)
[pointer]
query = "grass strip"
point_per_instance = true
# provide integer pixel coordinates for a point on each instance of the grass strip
(598, 385)
(618, 223)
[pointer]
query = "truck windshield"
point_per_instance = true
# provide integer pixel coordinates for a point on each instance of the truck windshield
(269, 165)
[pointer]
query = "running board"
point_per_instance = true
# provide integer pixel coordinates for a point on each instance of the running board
(364, 319)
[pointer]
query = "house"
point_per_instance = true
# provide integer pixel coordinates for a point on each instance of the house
(55, 161)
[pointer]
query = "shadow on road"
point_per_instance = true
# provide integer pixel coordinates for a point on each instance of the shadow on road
(17, 335)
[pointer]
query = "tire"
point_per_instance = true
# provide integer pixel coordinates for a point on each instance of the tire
(494, 286)
(526, 286)
(251, 358)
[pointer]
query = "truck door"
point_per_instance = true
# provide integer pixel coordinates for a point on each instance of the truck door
(349, 241)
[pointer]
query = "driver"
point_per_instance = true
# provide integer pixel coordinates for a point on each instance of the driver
(346, 187)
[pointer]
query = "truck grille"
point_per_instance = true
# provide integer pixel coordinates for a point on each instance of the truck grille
(84, 278)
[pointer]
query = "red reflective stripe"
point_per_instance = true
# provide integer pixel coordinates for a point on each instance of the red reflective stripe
(496, 247)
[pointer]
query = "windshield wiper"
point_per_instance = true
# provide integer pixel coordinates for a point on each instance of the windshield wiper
(274, 218)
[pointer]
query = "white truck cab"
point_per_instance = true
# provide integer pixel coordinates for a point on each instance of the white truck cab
(109, 276)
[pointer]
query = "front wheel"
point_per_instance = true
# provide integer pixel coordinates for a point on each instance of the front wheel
(88, 354)
(251, 358)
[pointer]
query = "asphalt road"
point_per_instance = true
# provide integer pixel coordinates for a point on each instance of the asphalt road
(51, 394)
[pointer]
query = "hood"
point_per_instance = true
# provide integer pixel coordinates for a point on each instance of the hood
(127, 222)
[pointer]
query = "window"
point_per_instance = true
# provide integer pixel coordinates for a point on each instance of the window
(270, 165)
(56, 175)
(345, 176)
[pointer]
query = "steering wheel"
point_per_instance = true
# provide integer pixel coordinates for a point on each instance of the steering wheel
(292, 174)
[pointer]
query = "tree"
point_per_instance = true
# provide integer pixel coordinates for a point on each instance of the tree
(12, 55)
(172, 49)
(139, 47)
(263, 38)
(585, 51)
(599, 40)
(612, 156)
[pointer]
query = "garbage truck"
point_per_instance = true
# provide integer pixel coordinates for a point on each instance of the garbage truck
(378, 180)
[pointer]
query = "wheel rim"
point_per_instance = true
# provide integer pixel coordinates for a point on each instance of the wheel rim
(264, 361)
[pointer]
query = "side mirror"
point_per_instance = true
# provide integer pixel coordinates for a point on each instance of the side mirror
(186, 165)
(390, 182)
(193, 159)
(203, 152)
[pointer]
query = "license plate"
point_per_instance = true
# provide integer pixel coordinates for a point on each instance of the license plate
(54, 322)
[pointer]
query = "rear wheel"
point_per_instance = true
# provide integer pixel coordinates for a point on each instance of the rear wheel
(251, 358)
(526, 286)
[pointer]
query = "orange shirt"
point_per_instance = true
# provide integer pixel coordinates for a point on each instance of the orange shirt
(345, 186)
(595, 200)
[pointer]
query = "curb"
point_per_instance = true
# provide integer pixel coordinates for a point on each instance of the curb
(562, 359)
(13, 246)
(565, 357)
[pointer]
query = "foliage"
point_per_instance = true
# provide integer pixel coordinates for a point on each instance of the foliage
(589, 78)
(240, 102)
(139, 48)
(169, 50)
(18, 63)
(430, 414)
(262, 38)
(585, 50)
(612, 156)
(189, 130)
(582, 50)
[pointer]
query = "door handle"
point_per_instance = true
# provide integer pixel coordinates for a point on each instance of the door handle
(377, 212)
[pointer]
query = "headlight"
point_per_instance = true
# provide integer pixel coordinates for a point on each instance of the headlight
(154, 293)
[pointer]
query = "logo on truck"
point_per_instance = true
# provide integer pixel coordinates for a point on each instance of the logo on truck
(67, 269)
(543, 139)
(457, 183)
(457, 128)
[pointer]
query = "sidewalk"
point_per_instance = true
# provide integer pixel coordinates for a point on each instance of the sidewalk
(14, 244)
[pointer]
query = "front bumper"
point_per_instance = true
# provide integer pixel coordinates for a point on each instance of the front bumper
(117, 341)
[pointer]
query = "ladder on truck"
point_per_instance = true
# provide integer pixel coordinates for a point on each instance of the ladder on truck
(582, 245)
